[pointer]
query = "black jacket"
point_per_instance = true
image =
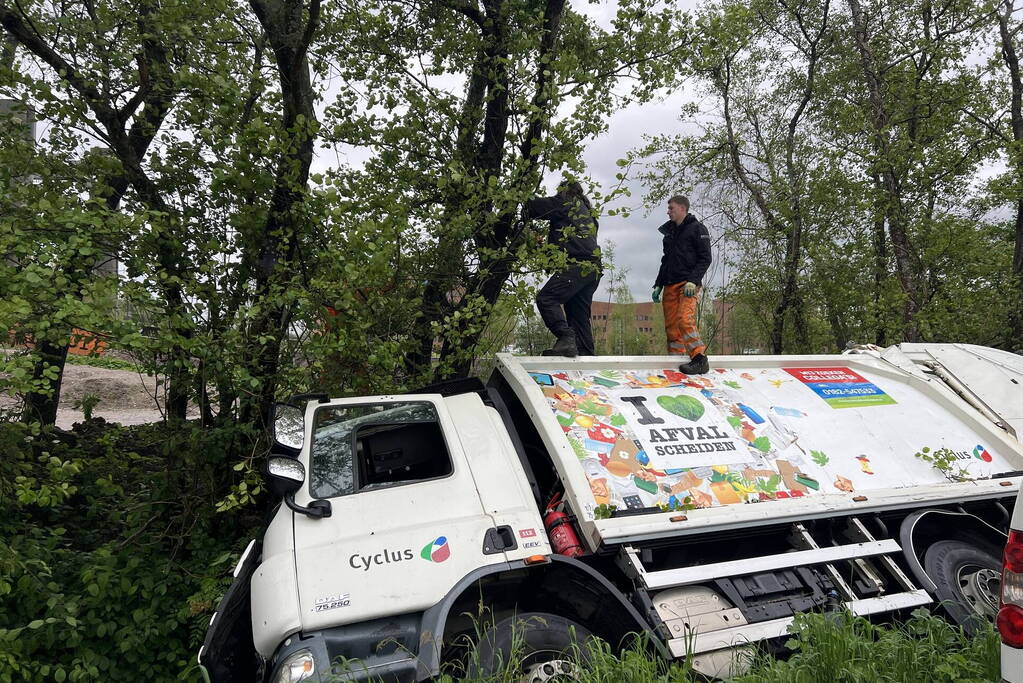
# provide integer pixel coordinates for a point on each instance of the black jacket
(573, 227)
(686, 252)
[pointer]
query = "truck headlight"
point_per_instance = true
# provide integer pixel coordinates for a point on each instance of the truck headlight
(297, 667)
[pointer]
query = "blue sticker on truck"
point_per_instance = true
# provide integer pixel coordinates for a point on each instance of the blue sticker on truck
(841, 387)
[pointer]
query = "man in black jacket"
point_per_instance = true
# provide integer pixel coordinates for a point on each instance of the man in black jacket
(685, 261)
(574, 229)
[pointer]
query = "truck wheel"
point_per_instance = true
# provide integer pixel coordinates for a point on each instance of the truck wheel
(537, 647)
(968, 580)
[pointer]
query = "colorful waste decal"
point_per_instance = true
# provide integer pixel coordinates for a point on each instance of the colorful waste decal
(649, 439)
(662, 439)
(679, 428)
(841, 387)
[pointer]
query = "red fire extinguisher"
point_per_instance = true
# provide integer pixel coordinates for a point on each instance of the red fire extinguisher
(559, 527)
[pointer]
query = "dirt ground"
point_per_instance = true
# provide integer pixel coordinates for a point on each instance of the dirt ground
(124, 396)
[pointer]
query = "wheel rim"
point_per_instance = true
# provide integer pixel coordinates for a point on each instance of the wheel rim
(981, 587)
(549, 670)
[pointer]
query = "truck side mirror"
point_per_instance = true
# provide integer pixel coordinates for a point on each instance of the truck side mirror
(289, 426)
(286, 476)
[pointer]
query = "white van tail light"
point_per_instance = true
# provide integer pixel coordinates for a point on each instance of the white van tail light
(1010, 614)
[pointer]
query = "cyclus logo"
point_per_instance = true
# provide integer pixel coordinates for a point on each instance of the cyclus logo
(437, 550)
(981, 453)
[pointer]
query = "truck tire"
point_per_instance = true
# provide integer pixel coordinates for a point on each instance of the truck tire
(967, 578)
(543, 647)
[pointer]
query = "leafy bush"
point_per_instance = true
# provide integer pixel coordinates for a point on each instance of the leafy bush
(111, 554)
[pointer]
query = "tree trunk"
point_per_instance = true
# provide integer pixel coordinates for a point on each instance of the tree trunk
(880, 273)
(1011, 58)
(289, 34)
(906, 259)
(41, 406)
(839, 328)
(436, 305)
(495, 237)
(149, 109)
(792, 298)
(456, 353)
(723, 80)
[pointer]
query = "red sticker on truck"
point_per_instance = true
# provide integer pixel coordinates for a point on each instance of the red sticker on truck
(841, 387)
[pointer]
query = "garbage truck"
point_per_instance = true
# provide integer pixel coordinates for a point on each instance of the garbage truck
(471, 525)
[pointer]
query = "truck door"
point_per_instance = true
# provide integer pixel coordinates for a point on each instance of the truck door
(406, 521)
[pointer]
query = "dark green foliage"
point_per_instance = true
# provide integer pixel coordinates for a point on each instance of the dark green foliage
(111, 556)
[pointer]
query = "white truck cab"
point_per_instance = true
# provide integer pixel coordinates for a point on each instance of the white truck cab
(416, 493)
(609, 496)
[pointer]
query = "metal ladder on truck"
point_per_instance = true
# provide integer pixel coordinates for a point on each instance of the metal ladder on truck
(704, 619)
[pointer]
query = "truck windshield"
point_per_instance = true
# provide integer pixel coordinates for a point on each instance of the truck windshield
(359, 447)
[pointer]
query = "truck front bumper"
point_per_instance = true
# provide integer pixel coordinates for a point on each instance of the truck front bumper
(383, 649)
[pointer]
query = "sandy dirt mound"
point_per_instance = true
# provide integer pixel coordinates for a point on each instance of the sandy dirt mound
(116, 389)
(124, 396)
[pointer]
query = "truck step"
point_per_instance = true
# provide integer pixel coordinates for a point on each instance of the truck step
(696, 642)
(683, 576)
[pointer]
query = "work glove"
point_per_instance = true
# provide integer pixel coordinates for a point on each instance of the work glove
(657, 294)
(689, 289)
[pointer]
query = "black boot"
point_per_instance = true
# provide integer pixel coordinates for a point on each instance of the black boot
(565, 346)
(697, 365)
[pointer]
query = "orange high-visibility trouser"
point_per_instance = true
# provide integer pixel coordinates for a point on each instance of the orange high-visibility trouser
(680, 321)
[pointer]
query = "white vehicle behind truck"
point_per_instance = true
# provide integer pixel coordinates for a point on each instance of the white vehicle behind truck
(606, 496)
(1010, 613)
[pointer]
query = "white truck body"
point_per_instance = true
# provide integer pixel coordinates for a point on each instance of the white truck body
(711, 508)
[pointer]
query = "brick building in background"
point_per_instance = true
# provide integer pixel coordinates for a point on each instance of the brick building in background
(640, 315)
(635, 329)
(638, 329)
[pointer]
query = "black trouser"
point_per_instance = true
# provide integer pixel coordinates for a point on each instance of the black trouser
(572, 288)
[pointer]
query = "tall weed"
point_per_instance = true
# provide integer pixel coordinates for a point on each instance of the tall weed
(837, 646)
(843, 647)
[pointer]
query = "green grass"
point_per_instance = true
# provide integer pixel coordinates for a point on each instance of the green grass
(842, 647)
(102, 362)
(830, 647)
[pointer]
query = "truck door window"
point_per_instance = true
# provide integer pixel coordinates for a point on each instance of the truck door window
(360, 447)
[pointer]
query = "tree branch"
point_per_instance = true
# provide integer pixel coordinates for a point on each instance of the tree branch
(471, 11)
(15, 23)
